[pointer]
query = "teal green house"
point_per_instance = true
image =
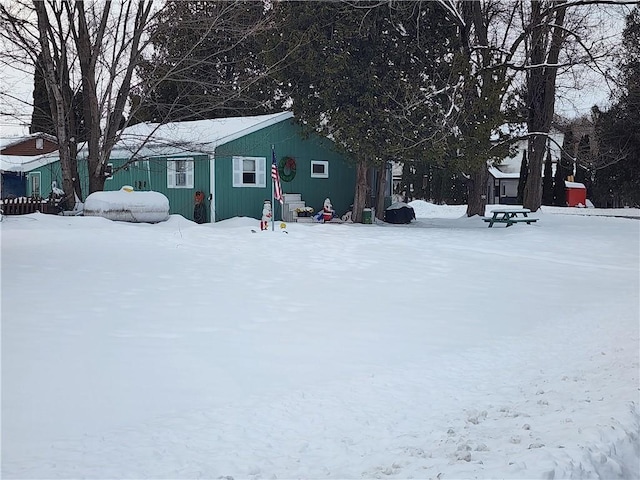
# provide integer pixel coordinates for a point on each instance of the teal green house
(229, 160)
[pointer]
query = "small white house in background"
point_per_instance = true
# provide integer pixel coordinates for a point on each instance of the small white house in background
(502, 185)
(503, 180)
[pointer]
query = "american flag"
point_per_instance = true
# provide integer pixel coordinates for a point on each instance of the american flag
(275, 176)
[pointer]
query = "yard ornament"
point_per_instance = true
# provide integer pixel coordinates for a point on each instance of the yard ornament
(327, 211)
(266, 215)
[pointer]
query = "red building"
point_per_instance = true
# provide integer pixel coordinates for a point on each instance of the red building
(576, 194)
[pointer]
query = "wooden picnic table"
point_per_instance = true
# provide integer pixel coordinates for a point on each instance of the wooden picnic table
(510, 216)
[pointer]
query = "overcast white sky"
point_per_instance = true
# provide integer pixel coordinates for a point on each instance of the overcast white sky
(16, 88)
(585, 88)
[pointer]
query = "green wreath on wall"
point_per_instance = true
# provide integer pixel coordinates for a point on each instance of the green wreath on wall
(287, 168)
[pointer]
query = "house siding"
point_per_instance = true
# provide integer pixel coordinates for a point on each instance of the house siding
(52, 172)
(288, 142)
(151, 174)
(29, 148)
(142, 175)
(230, 201)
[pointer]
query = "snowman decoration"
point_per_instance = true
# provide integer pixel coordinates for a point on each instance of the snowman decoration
(266, 215)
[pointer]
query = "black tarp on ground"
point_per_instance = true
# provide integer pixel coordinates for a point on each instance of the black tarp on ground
(399, 213)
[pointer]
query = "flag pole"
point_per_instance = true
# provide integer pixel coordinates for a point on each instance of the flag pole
(276, 187)
(273, 188)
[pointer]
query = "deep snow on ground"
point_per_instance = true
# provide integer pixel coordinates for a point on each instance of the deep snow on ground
(439, 349)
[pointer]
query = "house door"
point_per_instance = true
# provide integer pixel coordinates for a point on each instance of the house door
(34, 189)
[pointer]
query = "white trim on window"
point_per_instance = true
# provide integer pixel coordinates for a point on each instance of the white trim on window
(180, 173)
(249, 172)
(319, 169)
(109, 171)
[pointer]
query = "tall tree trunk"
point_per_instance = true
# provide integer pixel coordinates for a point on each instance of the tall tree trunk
(60, 111)
(96, 182)
(361, 191)
(114, 117)
(99, 143)
(547, 181)
(532, 198)
(541, 91)
(87, 54)
(480, 98)
(477, 191)
(380, 193)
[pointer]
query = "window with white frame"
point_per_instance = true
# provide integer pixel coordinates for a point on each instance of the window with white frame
(180, 173)
(319, 169)
(249, 171)
(34, 184)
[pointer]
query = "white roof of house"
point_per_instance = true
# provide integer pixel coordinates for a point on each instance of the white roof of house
(496, 173)
(24, 163)
(177, 138)
(200, 136)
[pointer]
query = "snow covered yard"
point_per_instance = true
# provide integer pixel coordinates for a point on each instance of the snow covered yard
(440, 349)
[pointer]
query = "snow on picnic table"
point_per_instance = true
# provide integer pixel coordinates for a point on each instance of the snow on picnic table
(439, 349)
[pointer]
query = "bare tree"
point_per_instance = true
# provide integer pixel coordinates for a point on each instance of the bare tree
(91, 48)
(539, 40)
(560, 36)
(90, 51)
(485, 28)
(27, 39)
(547, 35)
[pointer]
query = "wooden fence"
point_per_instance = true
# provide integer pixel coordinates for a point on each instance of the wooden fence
(25, 205)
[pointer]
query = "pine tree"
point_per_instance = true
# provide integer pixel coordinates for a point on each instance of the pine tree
(522, 182)
(617, 178)
(583, 161)
(208, 62)
(41, 117)
(366, 75)
(547, 182)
